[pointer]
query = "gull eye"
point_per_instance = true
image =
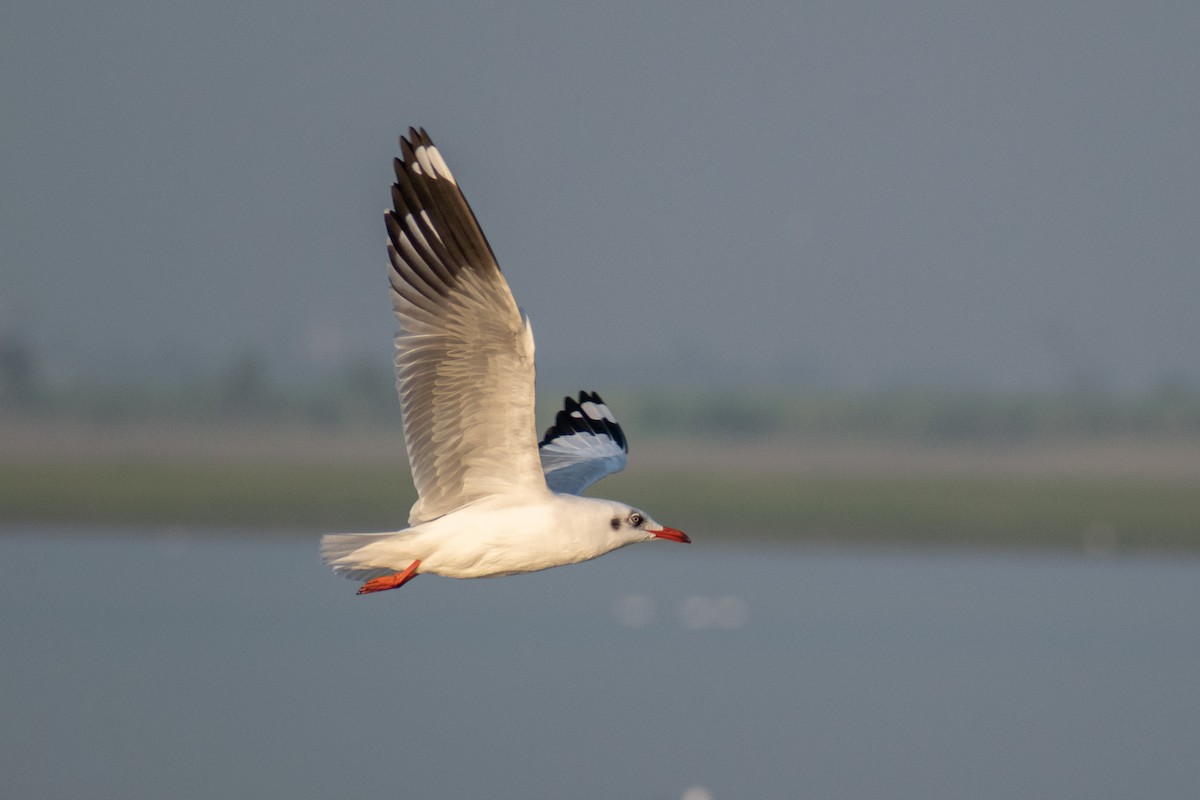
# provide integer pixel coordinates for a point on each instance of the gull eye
(636, 520)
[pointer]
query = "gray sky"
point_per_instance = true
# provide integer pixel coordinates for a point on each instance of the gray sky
(842, 194)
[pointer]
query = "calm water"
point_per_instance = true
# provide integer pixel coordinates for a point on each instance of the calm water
(207, 666)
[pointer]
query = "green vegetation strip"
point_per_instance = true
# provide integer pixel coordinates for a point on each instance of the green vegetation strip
(238, 494)
(1000, 511)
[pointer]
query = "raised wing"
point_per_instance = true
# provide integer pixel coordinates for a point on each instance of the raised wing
(464, 352)
(584, 444)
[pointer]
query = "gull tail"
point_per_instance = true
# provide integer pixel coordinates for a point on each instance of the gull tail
(363, 556)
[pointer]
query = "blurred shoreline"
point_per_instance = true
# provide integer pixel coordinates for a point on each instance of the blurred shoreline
(49, 440)
(1091, 495)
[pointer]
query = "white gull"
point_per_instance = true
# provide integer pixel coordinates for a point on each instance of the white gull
(491, 499)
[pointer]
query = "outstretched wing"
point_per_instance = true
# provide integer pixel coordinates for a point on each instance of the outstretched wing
(464, 353)
(584, 444)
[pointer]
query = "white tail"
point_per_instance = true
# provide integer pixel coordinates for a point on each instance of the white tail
(350, 554)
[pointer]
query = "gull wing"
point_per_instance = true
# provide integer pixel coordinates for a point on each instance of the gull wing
(584, 444)
(464, 352)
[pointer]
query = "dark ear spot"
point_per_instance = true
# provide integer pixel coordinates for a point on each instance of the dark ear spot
(616, 523)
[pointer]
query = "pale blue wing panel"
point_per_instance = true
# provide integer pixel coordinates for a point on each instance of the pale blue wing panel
(584, 444)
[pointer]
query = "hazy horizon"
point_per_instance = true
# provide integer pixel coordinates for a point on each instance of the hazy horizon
(838, 195)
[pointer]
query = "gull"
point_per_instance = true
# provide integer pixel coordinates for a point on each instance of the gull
(491, 499)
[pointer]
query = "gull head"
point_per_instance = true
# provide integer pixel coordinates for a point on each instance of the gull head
(630, 525)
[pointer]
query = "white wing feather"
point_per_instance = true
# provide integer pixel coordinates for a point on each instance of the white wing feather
(464, 353)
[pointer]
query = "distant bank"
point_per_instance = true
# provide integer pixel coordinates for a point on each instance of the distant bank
(1095, 495)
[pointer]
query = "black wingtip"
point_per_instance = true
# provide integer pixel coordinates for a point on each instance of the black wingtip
(416, 137)
(572, 419)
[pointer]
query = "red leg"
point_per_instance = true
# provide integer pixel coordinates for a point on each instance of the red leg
(394, 581)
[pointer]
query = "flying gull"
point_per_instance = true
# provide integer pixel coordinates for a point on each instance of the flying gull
(491, 499)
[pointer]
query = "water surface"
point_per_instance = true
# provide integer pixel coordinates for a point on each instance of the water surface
(226, 664)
